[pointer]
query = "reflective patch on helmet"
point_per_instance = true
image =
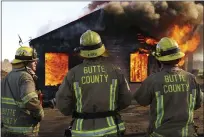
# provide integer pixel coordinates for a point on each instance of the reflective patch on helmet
(92, 54)
(22, 53)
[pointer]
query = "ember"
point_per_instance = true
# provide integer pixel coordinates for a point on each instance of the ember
(138, 67)
(56, 67)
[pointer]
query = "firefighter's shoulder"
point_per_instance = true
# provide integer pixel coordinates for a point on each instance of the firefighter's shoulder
(152, 77)
(25, 75)
(76, 68)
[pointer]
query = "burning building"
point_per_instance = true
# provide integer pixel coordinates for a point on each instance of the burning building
(129, 45)
(56, 49)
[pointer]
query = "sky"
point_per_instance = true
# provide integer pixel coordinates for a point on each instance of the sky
(32, 19)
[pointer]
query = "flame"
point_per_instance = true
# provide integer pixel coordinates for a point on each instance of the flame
(182, 61)
(151, 41)
(56, 67)
(138, 67)
(147, 40)
(183, 35)
(180, 33)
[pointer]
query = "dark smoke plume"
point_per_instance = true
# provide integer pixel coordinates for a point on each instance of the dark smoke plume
(154, 16)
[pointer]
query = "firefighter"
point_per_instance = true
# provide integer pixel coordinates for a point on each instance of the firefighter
(21, 110)
(172, 93)
(94, 92)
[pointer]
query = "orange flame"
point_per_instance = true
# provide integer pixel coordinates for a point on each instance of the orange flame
(151, 41)
(138, 65)
(56, 67)
(179, 34)
(184, 37)
(147, 40)
(185, 42)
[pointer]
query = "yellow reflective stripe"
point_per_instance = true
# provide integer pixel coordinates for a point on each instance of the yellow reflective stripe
(21, 129)
(79, 124)
(160, 109)
(11, 101)
(111, 97)
(41, 112)
(113, 86)
(112, 94)
(110, 121)
(154, 134)
(29, 96)
(190, 113)
(78, 95)
(193, 105)
(114, 81)
(99, 132)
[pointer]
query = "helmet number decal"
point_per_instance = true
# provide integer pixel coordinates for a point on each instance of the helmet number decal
(22, 53)
(92, 54)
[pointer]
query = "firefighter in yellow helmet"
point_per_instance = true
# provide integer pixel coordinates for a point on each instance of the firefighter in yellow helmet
(95, 91)
(173, 94)
(21, 110)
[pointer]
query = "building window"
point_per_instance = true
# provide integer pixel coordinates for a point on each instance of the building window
(138, 67)
(56, 67)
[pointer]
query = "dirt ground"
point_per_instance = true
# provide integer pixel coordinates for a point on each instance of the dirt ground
(135, 117)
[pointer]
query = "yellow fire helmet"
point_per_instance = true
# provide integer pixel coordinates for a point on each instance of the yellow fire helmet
(91, 45)
(24, 54)
(167, 49)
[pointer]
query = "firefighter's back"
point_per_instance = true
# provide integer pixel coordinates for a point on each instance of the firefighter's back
(96, 85)
(175, 96)
(95, 90)
(15, 118)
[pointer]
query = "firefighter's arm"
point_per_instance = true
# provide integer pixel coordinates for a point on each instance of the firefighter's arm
(29, 97)
(143, 95)
(124, 93)
(199, 97)
(64, 96)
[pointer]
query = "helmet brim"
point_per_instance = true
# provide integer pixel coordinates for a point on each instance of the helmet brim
(93, 53)
(171, 57)
(16, 61)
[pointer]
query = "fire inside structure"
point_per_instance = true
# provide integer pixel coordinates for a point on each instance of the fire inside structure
(138, 65)
(56, 67)
(129, 47)
(139, 62)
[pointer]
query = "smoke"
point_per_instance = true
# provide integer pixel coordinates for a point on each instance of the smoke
(51, 25)
(96, 4)
(154, 16)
